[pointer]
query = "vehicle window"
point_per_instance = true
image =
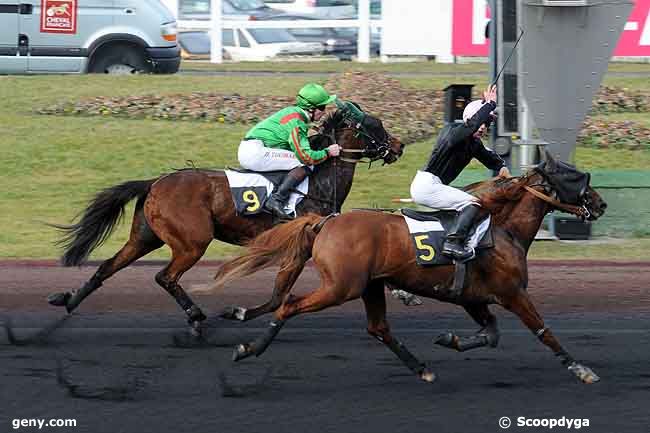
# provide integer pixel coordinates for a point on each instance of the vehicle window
(189, 8)
(227, 38)
(271, 36)
(193, 7)
(308, 32)
(243, 42)
(227, 8)
(195, 42)
(247, 5)
(329, 3)
(346, 32)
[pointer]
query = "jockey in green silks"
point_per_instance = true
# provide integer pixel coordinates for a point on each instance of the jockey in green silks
(280, 143)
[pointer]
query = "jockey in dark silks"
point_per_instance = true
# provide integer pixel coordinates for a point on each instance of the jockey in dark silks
(457, 144)
(280, 143)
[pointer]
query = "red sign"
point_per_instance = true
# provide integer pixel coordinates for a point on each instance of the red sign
(470, 17)
(59, 16)
(635, 39)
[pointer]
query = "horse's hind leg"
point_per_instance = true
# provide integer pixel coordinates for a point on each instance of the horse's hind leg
(284, 281)
(487, 336)
(168, 280)
(374, 300)
(325, 296)
(523, 307)
(141, 242)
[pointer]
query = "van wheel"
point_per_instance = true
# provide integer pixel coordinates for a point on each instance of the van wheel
(120, 60)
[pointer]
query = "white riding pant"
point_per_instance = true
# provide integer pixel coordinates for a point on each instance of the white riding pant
(253, 155)
(428, 190)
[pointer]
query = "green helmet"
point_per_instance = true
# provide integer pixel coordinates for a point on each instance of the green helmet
(312, 96)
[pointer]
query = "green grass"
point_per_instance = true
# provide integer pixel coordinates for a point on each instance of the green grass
(374, 66)
(611, 249)
(53, 165)
(335, 66)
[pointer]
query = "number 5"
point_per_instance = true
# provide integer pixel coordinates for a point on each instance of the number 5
(249, 196)
(424, 247)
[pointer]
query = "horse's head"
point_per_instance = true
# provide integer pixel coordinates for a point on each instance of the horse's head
(571, 186)
(361, 135)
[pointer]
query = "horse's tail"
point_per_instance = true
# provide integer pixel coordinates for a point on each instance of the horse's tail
(98, 220)
(288, 245)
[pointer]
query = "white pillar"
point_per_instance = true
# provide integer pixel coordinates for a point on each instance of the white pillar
(363, 42)
(216, 55)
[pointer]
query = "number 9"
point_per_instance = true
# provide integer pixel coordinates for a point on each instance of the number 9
(250, 197)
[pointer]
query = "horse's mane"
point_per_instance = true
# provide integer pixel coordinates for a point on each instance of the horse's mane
(499, 190)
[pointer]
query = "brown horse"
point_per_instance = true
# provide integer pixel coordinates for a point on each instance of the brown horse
(357, 253)
(189, 208)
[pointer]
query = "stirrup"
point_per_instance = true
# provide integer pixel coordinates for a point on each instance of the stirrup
(458, 252)
(277, 209)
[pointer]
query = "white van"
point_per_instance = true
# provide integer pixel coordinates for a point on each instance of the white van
(76, 36)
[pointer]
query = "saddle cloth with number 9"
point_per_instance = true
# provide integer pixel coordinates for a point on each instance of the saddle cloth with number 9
(428, 231)
(250, 190)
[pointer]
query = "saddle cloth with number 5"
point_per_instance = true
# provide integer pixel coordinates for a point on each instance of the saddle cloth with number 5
(428, 231)
(250, 190)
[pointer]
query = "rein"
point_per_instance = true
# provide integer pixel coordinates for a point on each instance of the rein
(575, 210)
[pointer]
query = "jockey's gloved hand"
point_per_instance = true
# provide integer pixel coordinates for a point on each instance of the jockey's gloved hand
(504, 172)
(334, 150)
(490, 95)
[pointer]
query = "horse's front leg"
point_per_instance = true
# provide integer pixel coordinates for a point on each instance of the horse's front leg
(522, 306)
(284, 281)
(374, 300)
(488, 335)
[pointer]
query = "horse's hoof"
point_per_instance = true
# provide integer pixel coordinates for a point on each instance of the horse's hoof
(59, 299)
(447, 340)
(241, 351)
(190, 340)
(584, 373)
(427, 376)
(234, 313)
(195, 330)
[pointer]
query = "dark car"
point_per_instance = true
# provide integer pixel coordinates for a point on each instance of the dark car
(231, 9)
(340, 42)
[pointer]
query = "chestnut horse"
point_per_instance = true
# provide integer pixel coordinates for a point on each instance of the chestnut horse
(358, 252)
(189, 208)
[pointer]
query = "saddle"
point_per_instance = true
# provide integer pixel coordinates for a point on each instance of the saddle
(446, 219)
(428, 230)
(250, 189)
(275, 177)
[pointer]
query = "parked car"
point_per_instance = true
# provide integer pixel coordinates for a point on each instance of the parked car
(340, 42)
(230, 9)
(336, 42)
(248, 44)
(321, 9)
(45, 36)
(195, 45)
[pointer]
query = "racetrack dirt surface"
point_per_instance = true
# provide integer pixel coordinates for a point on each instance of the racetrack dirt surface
(115, 365)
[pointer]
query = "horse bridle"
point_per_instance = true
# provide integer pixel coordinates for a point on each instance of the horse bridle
(380, 148)
(579, 211)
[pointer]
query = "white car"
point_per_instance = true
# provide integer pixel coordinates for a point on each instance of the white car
(321, 9)
(264, 44)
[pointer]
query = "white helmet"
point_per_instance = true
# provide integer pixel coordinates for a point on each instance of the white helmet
(472, 108)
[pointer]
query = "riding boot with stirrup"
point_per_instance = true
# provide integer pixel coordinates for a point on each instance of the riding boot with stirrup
(454, 245)
(278, 200)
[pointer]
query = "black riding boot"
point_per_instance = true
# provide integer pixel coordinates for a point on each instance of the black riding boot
(280, 196)
(454, 245)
